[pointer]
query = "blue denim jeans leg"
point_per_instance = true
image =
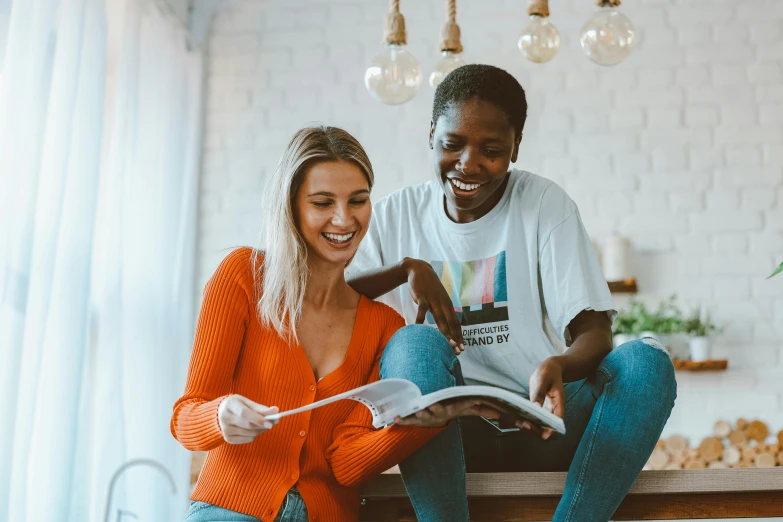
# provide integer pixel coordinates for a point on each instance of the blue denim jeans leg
(292, 510)
(613, 420)
(434, 475)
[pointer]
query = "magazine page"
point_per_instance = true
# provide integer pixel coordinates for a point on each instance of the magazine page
(386, 398)
(383, 399)
(503, 400)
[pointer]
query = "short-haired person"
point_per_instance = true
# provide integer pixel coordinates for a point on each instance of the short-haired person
(279, 329)
(500, 262)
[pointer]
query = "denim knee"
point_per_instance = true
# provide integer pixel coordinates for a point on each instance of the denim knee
(422, 355)
(643, 362)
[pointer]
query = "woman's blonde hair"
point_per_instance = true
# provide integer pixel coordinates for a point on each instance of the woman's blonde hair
(282, 278)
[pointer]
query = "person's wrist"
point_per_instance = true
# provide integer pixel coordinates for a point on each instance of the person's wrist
(411, 265)
(556, 362)
(219, 412)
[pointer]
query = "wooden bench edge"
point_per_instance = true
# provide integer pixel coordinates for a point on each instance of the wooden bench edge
(543, 484)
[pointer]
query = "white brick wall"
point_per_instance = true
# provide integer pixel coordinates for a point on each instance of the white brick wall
(680, 147)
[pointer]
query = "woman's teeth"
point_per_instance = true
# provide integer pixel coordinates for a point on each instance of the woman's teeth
(338, 238)
(465, 186)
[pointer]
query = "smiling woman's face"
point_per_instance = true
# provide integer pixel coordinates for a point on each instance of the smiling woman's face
(332, 210)
(473, 143)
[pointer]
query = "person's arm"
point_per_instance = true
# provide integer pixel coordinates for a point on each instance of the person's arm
(577, 301)
(202, 418)
(376, 282)
(373, 273)
(426, 291)
(359, 451)
(592, 341)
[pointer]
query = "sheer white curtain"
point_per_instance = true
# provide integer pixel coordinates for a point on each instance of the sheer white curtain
(144, 264)
(50, 144)
(97, 232)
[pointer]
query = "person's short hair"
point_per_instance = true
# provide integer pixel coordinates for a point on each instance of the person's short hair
(488, 83)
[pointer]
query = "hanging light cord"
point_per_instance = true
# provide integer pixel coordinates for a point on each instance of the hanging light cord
(538, 8)
(449, 32)
(394, 25)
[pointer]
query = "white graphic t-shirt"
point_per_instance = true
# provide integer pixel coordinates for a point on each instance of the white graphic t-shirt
(516, 277)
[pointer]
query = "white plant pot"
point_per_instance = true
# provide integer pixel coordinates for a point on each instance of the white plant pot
(700, 349)
(621, 339)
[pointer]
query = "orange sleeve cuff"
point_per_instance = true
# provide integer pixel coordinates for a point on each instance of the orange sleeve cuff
(195, 424)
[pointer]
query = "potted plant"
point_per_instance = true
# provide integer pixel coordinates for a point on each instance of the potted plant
(700, 329)
(630, 323)
(644, 319)
(664, 324)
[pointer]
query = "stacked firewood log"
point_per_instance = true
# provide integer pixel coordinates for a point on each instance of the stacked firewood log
(742, 445)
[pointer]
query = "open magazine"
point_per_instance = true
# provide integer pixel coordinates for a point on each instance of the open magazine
(390, 398)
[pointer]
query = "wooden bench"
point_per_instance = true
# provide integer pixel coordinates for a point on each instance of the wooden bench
(656, 495)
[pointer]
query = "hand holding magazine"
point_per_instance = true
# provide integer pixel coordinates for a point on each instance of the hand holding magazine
(392, 398)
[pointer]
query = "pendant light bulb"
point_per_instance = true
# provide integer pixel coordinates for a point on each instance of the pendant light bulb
(450, 46)
(540, 40)
(394, 76)
(448, 62)
(609, 36)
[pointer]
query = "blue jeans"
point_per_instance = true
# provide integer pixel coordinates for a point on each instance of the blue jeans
(292, 510)
(613, 420)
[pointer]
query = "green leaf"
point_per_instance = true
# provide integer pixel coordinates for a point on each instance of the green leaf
(777, 271)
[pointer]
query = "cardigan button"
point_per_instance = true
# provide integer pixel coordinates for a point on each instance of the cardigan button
(294, 476)
(302, 433)
(312, 387)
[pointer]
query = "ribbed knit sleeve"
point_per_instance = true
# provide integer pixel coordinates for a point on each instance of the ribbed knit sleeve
(221, 326)
(360, 451)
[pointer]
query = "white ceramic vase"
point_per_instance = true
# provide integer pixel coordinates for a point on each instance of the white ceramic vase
(616, 258)
(699, 348)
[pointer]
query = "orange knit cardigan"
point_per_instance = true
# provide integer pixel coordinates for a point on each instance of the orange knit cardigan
(327, 452)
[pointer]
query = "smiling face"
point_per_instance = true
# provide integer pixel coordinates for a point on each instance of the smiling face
(473, 143)
(332, 210)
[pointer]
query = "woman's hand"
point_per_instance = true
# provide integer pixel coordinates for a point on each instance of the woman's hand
(439, 414)
(427, 291)
(242, 420)
(546, 389)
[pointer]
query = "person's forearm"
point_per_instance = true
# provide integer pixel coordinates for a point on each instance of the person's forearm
(375, 283)
(582, 358)
(356, 456)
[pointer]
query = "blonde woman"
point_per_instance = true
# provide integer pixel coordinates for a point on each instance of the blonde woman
(279, 329)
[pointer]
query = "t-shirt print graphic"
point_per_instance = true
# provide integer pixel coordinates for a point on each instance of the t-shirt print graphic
(477, 289)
